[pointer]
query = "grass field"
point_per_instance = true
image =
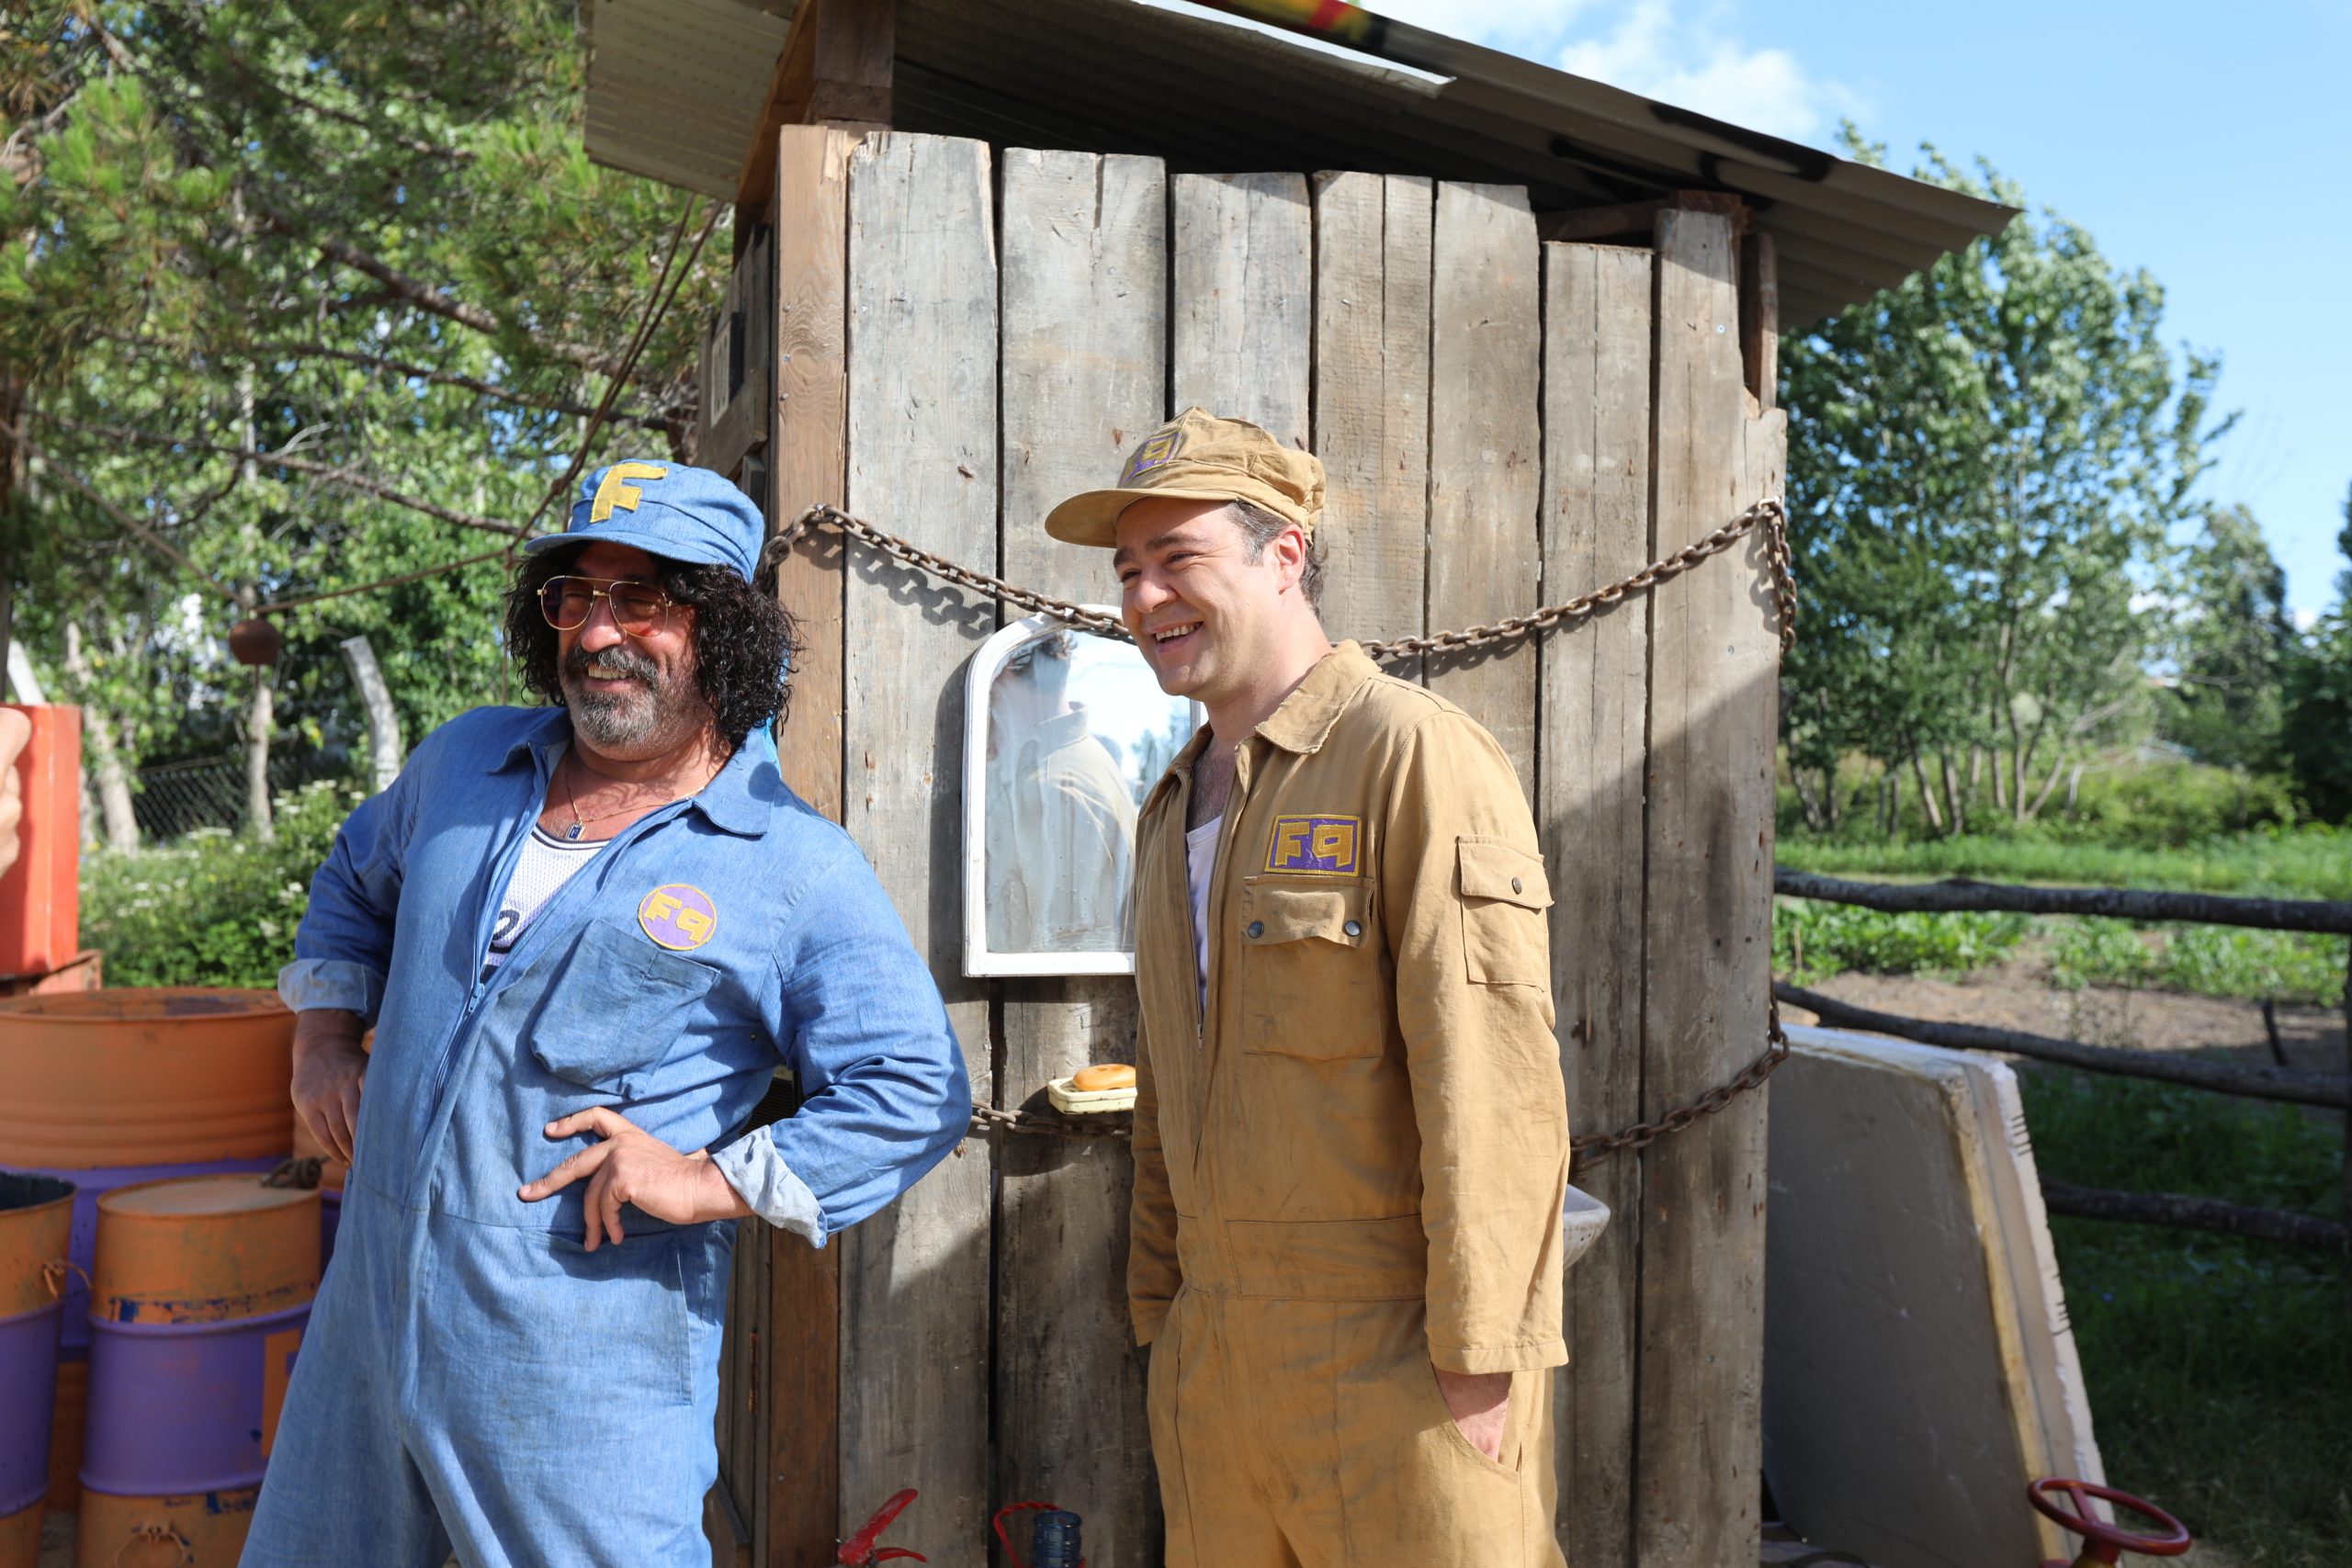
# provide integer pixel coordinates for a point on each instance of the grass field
(2302, 862)
(2219, 1369)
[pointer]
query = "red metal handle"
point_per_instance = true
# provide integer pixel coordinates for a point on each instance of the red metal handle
(2107, 1542)
(859, 1552)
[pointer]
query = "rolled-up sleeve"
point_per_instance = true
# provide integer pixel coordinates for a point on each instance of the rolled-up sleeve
(884, 1093)
(344, 948)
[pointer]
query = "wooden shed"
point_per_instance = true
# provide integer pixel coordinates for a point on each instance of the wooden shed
(1528, 323)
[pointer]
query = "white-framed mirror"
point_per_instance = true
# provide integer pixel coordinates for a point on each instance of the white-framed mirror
(1063, 734)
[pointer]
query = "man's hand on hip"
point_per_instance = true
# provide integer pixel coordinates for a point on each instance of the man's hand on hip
(1480, 1406)
(329, 1069)
(632, 1165)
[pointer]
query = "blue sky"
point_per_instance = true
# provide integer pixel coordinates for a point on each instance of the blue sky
(2206, 144)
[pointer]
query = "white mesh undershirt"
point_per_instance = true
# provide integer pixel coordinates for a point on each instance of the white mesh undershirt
(1200, 859)
(547, 865)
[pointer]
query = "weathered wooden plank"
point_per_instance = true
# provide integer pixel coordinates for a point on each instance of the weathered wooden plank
(810, 448)
(1597, 345)
(1713, 699)
(1084, 376)
(923, 462)
(796, 1503)
(1242, 339)
(1085, 345)
(1759, 318)
(1372, 390)
(741, 425)
(1485, 452)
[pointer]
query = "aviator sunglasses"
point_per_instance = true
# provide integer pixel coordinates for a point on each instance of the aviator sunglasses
(638, 607)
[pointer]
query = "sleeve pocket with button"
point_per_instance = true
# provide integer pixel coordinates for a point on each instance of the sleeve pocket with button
(612, 1006)
(1505, 941)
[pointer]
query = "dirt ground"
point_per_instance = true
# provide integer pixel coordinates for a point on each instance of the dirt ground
(2017, 995)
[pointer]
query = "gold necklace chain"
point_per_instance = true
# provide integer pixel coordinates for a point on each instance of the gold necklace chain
(580, 823)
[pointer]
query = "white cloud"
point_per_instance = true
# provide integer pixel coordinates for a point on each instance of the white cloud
(1695, 61)
(2305, 619)
(1653, 47)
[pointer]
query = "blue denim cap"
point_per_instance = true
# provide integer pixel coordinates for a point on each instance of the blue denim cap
(668, 509)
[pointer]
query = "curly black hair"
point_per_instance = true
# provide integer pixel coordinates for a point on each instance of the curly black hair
(744, 639)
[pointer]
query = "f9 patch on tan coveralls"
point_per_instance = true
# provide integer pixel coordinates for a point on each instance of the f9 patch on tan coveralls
(1350, 1169)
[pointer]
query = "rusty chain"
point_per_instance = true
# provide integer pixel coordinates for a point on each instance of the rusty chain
(1771, 515)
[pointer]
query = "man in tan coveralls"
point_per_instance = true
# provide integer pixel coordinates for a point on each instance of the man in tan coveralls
(1351, 1142)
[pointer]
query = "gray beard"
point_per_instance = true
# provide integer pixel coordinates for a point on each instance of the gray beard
(617, 721)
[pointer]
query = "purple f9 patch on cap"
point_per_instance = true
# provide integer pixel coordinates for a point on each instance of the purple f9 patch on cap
(678, 916)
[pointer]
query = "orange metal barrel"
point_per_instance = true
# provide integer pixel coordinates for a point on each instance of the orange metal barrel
(144, 1076)
(68, 1420)
(20, 1538)
(36, 1228)
(203, 1249)
(197, 1530)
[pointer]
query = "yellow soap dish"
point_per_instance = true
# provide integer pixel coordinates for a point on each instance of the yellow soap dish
(1072, 1101)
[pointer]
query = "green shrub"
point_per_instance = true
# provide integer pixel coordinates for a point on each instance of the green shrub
(2168, 805)
(2314, 861)
(216, 908)
(1812, 941)
(2205, 961)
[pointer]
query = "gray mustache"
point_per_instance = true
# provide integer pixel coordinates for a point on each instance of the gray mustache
(624, 660)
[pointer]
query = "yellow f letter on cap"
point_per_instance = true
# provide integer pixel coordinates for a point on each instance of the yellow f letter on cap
(614, 489)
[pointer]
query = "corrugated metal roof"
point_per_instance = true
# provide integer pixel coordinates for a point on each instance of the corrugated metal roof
(675, 87)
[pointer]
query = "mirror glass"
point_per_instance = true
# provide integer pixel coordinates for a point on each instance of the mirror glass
(1077, 731)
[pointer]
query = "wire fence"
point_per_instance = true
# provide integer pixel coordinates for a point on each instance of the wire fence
(177, 798)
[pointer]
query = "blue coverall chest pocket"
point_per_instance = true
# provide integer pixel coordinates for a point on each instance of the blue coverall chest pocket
(612, 1007)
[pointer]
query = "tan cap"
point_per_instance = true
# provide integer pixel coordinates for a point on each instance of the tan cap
(1198, 456)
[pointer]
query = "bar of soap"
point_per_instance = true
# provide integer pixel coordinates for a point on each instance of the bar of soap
(1111, 1087)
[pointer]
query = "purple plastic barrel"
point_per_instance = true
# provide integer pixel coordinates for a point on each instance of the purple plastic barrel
(33, 1216)
(28, 1388)
(93, 1184)
(186, 1407)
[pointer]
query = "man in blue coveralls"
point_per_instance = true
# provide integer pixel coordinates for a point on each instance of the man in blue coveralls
(585, 934)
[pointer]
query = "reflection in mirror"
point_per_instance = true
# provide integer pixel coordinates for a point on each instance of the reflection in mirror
(1078, 730)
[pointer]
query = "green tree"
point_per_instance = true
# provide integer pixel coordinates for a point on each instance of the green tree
(1984, 466)
(2232, 642)
(2316, 735)
(306, 297)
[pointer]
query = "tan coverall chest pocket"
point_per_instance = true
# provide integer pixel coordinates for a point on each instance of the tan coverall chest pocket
(1307, 966)
(1505, 939)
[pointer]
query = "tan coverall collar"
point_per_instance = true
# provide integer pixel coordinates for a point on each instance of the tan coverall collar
(1304, 719)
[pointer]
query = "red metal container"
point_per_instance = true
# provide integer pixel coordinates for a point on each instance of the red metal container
(144, 1077)
(40, 896)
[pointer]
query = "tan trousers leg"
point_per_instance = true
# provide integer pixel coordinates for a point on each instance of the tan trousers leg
(1311, 1434)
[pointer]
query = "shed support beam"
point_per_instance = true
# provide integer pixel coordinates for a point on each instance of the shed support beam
(834, 70)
